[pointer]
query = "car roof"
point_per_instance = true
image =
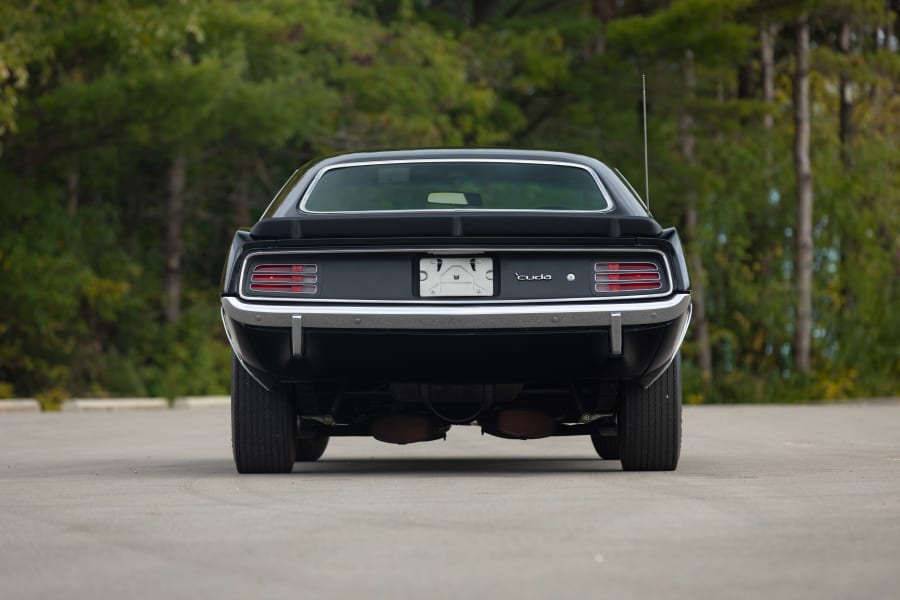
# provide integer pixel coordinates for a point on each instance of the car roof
(285, 204)
(460, 153)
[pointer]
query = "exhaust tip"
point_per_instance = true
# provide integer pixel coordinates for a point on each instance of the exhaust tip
(525, 423)
(406, 429)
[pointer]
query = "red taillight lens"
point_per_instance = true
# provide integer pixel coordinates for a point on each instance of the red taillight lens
(286, 279)
(620, 266)
(285, 269)
(622, 276)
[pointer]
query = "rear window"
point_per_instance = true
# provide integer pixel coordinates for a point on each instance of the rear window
(448, 185)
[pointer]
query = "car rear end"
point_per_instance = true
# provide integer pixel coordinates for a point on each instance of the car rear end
(525, 321)
(536, 309)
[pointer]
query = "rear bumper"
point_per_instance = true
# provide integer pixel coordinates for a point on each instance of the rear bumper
(516, 316)
(628, 340)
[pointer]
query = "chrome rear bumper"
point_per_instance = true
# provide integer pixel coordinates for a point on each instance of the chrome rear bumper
(295, 318)
(443, 316)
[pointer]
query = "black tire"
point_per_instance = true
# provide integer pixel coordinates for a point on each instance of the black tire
(649, 423)
(607, 446)
(311, 449)
(263, 425)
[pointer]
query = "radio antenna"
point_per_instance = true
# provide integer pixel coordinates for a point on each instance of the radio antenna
(646, 160)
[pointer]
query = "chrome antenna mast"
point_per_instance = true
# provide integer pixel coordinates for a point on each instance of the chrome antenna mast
(646, 160)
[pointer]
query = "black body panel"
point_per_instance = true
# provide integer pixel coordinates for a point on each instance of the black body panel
(243, 245)
(444, 225)
(388, 275)
(522, 356)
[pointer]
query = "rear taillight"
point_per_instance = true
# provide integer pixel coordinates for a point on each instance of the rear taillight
(626, 276)
(285, 279)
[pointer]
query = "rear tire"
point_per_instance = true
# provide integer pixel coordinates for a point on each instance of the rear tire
(607, 446)
(263, 425)
(311, 449)
(649, 423)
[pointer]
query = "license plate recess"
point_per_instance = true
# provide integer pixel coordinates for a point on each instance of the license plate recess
(442, 277)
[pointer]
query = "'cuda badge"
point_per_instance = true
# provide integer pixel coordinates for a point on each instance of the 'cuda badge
(538, 277)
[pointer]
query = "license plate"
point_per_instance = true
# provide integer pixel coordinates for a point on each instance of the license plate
(457, 277)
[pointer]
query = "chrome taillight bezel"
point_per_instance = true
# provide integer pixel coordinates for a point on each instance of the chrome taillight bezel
(614, 277)
(289, 279)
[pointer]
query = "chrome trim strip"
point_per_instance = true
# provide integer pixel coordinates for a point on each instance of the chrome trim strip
(610, 205)
(454, 250)
(260, 278)
(612, 282)
(615, 334)
(653, 270)
(646, 272)
(314, 290)
(315, 269)
(456, 317)
(296, 335)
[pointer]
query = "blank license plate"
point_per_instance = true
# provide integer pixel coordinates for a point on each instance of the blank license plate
(459, 277)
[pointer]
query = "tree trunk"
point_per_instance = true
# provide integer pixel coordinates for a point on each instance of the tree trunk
(174, 241)
(892, 6)
(604, 11)
(698, 276)
(484, 10)
(767, 34)
(846, 131)
(847, 243)
(803, 176)
(72, 192)
(746, 86)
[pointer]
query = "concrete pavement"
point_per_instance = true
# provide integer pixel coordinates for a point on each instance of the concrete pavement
(769, 501)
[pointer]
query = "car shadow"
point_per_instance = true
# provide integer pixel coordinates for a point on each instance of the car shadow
(468, 466)
(393, 467)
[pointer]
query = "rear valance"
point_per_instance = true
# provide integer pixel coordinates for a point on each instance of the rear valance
(418, 225)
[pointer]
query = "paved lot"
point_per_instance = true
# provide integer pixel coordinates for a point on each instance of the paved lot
(774, 501)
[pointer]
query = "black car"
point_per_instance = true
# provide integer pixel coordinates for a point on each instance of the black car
(395, 294)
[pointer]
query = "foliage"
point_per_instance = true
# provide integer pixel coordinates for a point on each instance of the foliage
(98, 97)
